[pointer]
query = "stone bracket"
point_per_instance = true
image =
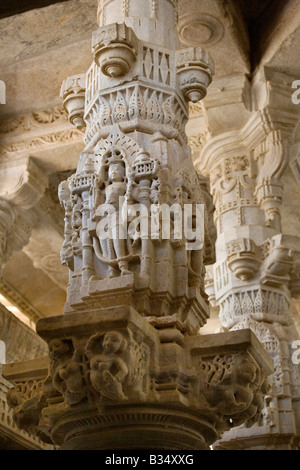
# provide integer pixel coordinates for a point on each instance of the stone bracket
(195, 69)
(229, 342)
(73, 96)
(191, 376)
(114, 47)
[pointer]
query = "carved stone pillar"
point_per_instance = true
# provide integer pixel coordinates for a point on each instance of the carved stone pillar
(257, 266)
(127, 366)
(21, 188)
(17, 342)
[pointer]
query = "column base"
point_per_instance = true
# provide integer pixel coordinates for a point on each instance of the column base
(133, 428)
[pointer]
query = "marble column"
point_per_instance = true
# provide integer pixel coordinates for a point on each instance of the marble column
(128, 368)
(257, 266)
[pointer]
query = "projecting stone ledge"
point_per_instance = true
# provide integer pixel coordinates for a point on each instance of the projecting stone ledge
(114, 381)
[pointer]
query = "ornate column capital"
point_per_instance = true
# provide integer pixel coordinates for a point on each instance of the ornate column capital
(126, 357)
(23, 185)
(222, 375)
(21, 188)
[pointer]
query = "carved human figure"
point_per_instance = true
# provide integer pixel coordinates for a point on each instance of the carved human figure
(268, 412)
(187, 194)
(108, 369)
(76, 223)
(114, 246)
(259, 388)
(60, 352)
(73, 378)
(67, 371)
(232, 385)
(64, 195)
(66, 250)
(240, 394)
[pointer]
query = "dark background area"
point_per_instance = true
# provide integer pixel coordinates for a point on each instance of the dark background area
(14, 7)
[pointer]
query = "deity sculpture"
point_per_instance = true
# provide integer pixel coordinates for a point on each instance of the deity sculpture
(113, 240)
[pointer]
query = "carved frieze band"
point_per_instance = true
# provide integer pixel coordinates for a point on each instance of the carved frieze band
(158, 110)
(19, 300)
(116, 366)
(260, 304)
(21, 342)
(35, 131)
(9, 426)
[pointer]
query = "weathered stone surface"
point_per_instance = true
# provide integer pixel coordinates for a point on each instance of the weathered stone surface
(257, 266)
(131, 376)
(21, 342)
(127, 352)
(247, 123)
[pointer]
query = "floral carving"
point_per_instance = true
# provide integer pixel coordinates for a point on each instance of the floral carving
(35, 119)
(43, 141)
